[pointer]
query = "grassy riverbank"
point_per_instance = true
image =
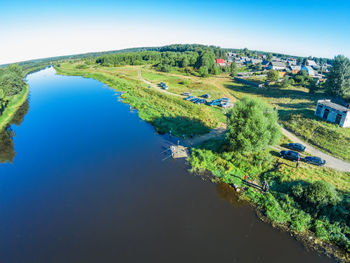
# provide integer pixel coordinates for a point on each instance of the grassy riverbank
(167, 113)
(14, 104)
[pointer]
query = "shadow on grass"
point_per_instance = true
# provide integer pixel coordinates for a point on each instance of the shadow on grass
(180, 126)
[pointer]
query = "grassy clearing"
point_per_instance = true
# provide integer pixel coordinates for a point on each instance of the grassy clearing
(166, 112)
(11, 109)
(296, 109)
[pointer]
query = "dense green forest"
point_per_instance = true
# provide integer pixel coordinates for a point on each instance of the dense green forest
(196, 59)
(11, 84)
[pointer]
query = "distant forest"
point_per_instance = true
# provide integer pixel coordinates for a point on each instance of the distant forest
(196, 59)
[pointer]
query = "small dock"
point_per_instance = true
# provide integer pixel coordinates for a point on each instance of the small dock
(178, 151)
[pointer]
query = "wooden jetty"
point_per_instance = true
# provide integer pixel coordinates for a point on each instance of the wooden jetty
(178, 151)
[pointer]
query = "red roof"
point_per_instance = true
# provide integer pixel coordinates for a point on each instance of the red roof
(220, 61)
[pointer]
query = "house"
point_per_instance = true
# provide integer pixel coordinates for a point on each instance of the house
(276, 65)
(220, 62)
(255, 61)
(309, 70)
(333, 112)
(311, 63)
(295, 69)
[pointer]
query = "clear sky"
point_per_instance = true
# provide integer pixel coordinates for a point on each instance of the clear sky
(36, 29)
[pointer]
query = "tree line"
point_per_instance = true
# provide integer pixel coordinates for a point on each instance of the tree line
(11, 83)
(196, 59)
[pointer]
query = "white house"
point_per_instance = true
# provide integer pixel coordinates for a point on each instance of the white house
(333, 112)
(276, 65)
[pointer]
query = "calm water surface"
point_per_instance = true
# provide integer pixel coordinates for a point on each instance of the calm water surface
(87, 184)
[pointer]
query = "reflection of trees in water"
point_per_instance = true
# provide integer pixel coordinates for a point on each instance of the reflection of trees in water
(228, 193)
(7, 151)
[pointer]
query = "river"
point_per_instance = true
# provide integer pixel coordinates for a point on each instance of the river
(87, 184)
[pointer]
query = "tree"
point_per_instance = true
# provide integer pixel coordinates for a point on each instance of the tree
(285, 83)
(233, 69)
(321, 194)
(312, 86)
(272, 75)
(269, 56)
(252, 126)
(338, 79)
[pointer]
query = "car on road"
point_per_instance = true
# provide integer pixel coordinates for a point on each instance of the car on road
(186, 94)
(290, 155)
(297, 147)
(314, 160)
(225, 99)
(189, 98)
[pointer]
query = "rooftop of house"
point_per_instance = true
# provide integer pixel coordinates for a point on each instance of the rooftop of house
(333, 105)
(278, 64)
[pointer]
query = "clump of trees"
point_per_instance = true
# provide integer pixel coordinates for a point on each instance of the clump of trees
(272, 75)
(11, 83)
(338, 79)
(191, 58)
(252, 126)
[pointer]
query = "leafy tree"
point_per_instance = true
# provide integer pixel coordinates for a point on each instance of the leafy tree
(313, 87)
(252, 126)
(233, 69)
(338, 79)
(321, 194)
(269, 57)
(272, 75)
(285, 83)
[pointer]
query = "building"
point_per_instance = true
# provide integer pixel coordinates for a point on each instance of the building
(276, 65)
(220, 62)
(311, 63)
(295, 69)
(309, 70)
(333, 112)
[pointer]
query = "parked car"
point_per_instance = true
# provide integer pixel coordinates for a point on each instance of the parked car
(297, 146)
(194, 100)
(214, 103)
(225, 99)
(186, 94)
(290, 155)
(206, 96)
(314, 160)
(189, 98)
(201, 101)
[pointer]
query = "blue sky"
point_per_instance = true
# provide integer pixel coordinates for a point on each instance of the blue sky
(36, 29)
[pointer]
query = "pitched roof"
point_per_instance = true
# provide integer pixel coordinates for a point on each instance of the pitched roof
(333, 105)
(277, 64)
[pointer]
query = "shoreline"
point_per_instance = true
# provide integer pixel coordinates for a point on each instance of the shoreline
(15, 103)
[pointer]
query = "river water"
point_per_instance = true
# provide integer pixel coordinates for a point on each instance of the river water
(87, 184)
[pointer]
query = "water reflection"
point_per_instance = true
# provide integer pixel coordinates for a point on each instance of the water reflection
(228, 193)
(7, 151)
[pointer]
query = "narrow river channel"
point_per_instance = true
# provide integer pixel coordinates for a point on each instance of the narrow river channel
(87, 184)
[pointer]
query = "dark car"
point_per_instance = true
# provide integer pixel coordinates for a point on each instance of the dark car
(290, 155)
(189, 98)
(225, 99)
(194, 100)
(314, 160)
(206, 96)
(297, 146)
(201, 101)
